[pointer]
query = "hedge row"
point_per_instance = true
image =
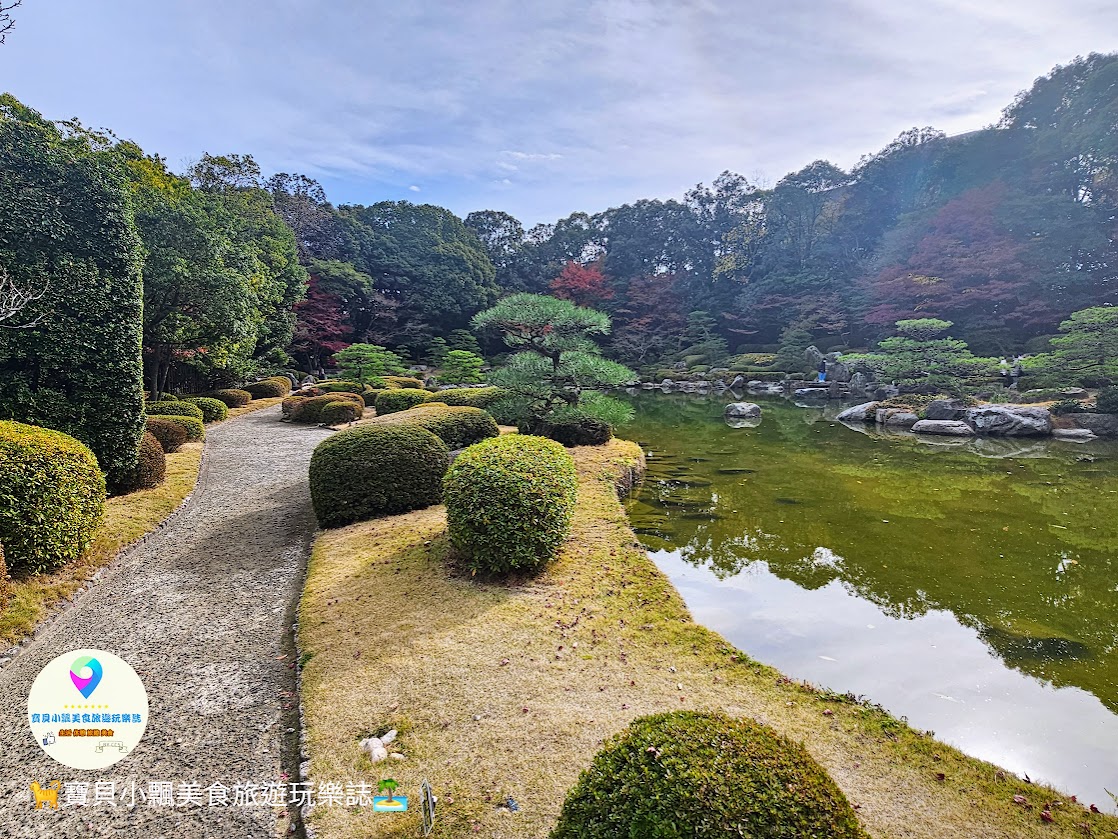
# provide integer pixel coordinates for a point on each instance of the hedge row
(340, 411)
(458, 427)
(174, 409)
(195, 431)
(399, 399)
(509, 503)
(171, 435)
(475, 397)
(402, 381)
(268, 389)
(52, 496)
(150, 468)
(309, 409)
(232, 397)
(213, 410)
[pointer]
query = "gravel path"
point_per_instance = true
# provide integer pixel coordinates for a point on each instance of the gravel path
(202, 611)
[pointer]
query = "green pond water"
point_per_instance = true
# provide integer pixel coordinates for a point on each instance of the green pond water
(970, 586)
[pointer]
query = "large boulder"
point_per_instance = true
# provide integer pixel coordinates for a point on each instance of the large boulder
(811, 393)
(1010, 421)
(866, 412)
(737, 382)
(946, 409)
(667, 384)
(838, 371)
(768, 388)
(742, 410)
(813, 356)
(897, 418)
(859, 384)
(1103, 425)
(948, 428)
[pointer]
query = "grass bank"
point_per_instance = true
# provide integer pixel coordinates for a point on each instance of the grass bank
(127, 518)
(507, 690)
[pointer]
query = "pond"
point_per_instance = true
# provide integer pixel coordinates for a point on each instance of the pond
(970, 587)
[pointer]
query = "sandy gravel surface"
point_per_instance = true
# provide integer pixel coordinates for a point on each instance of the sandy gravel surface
(201, 611)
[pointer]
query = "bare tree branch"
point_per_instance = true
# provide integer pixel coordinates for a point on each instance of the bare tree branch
(7, 24)
(14, 299)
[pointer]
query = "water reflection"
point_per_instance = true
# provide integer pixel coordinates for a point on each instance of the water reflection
(985, 569)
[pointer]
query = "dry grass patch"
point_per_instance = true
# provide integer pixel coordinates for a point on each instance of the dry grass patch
(127, 518)
(507, 690)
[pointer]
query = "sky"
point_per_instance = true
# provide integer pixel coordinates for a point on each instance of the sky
(539, 109)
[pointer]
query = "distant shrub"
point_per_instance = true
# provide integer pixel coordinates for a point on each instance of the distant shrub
(232, 397)
(707, 776)
(213, 410)
(195, 431)
(340, 386)
(310, 410)
(376, 470)
(289, 403)
(370, 397)
(179, 409)
(339, 411)
(150, 468)
(509, 502)
(1107, 401)
(399, 399)
(580, 431)
(699, 368)
(1069, 406)
(267, 389)
(169, 433)
(283, 381)
(458, 427)
(53, 495)
(752, 359)
(402, 381)
(474, 397)
(760, 375)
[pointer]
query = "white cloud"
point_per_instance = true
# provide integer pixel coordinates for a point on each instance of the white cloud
(413, 188)
(538, 109)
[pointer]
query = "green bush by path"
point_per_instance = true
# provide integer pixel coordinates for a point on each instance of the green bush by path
(370, 397)
(579, 431)
(150, 468)
(177, 409)
(287, 406)
(338, 386)
(399, 399)
(213, 410)
(310, 410)
(458, 426)
(402, 381)
(707, 776)
(52, 496)
(170, 434)
(195, 431)
(509, 502)
(283, 381)
(267, 389)
(232, 397)
(376, 470)
(474, 397)
(339, 411)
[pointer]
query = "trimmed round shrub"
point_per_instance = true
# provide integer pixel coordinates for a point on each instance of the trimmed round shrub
(310, 410)
(509, 502)
(174, 409)
(232, 397)
(267, 389)
(340, 386)
(289, 403)
(402, 381)
(150, 468)
(213, 410)
(169, 433)
(339, 411)
(475, 397)
(399, 399)
(1107, 401)
(52, 496)
(370, 397)
(376, 470)
(583, 431)
(700, 774)
(195, 431)
(458, 427)
(284, 382)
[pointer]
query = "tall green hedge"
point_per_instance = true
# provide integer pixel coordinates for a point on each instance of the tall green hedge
(52, 496)
(509, 502)
(706, 776)
(66, 225)
(376, 470)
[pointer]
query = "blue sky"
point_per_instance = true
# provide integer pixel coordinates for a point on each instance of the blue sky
(539, 109)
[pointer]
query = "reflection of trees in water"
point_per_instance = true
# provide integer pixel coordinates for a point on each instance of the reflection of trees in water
(1016, 546)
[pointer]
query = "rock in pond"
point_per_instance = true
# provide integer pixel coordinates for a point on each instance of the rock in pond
(1075, 435)
(1104, 425)
(946, 409)
(865, 412)
(949, 428)
(1010, 421)
(742, 410)
(896, 418)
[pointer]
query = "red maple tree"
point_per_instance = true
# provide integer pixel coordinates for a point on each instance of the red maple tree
(584, 285)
